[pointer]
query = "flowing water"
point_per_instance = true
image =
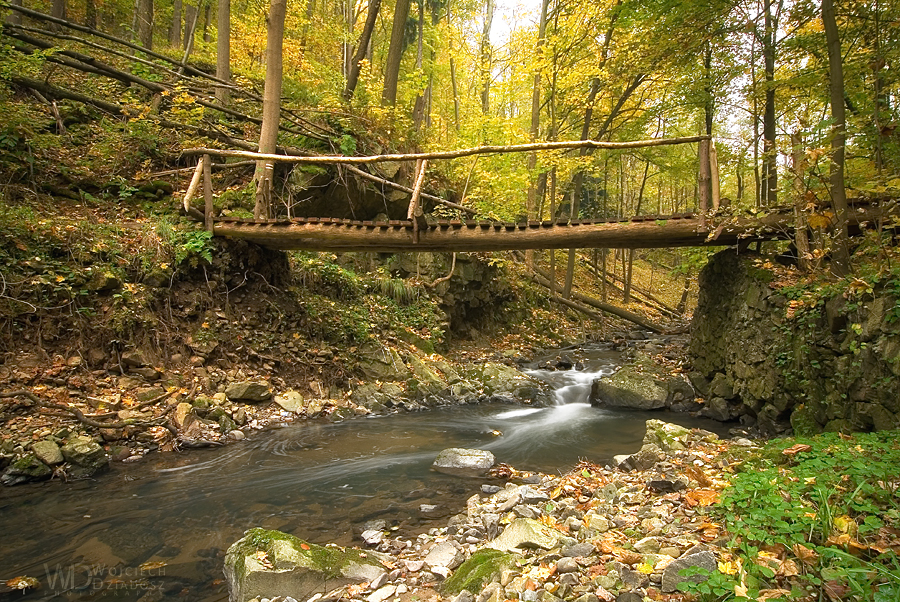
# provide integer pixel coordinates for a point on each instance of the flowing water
(88, 540)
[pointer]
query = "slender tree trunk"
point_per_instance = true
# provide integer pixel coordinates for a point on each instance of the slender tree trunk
(58, 10)
(90, 14)
(419, 107)
(486, 56)
(190, 24)
(268, 137)
(801, 240)
(770, 150)
(453, 72)
(395, 53)
(223, 49)
(361, 49)
(757, 177)
(304, 33)
(534, 130)
(207, 8)
(175, 28)
(840, 263)
(626, 286)
(553, 216)
(14, 17)
(144, 18)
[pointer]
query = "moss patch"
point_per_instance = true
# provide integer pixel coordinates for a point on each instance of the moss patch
(478, 570)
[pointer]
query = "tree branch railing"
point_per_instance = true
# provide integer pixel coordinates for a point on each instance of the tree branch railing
(706, 151)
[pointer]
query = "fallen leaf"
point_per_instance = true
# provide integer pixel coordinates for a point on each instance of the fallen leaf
(151, 565)
(23, 582)
(768, 594)
(806, 556)
(304, 546)
(836, 590)
(796, 449)
(701, 497)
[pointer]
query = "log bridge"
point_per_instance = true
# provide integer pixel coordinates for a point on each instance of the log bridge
(707, 227)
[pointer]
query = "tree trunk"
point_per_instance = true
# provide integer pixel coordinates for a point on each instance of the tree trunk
(58, 10)
(419, 106)
(206, 10)
(90, 14)
(801, 240)
(144, 18)
(304, 33)
(770, 150)
(486, 57)
(534, 130)
(223, 49)
(190, 24)
(14, 17)
(361, 48)
(395, 53)
(268, 136)
(175, 28)
(840, 263)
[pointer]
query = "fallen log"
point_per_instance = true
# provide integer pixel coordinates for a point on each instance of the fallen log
(541, 278)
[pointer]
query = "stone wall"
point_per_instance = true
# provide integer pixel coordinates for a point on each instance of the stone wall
(831, 364)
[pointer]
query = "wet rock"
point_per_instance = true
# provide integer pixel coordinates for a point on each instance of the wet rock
(183, 416)
(292, 401)
(719, 409)
(27, 468)
(525, 533)
(47, 452)
(629, 388)
(249, 392)
(264, 562)
(578, 550)
(671, 577)
(236, 435)
(86, 457)
(133, 358)
(444, 554)
(147, 373)
(378, 362)
(566, 565)
(666, 436)
(484, 566)
(466, 462)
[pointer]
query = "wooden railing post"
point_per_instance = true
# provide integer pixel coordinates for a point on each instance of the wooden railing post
(415, 210)
(192, 187)
(207, 193)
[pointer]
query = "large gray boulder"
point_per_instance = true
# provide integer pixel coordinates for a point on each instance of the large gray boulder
(464, 462)
(268, 563)
(671, 576)
(47, 452)
(630, 388)
(378, 362)
(249, 392)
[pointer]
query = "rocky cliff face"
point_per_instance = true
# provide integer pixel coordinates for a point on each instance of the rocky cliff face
(821, 364)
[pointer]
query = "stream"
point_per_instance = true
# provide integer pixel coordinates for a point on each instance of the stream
(88, 540)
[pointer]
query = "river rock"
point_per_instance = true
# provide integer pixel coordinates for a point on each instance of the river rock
(292, 401)
(86, 457)
(464, 462)
(444, 554)
(378, 362)
(26, 468)
(183, 416)
(671, 577)
(249, 392)
(264, 562)
(667, 437)
(47, 452)
(525, 533)
(629, 389)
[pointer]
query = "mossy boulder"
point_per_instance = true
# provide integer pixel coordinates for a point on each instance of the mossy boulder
(85, 456)
(481, 568)
(27, 468)
(630, 388)
(269, 563)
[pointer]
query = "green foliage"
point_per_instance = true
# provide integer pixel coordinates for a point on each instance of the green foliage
(320, 274)
(816, 504)
(185, 241)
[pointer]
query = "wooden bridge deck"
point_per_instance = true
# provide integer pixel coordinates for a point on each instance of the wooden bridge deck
(332, 234)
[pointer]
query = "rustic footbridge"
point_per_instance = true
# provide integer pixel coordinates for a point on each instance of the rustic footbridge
(417, 234)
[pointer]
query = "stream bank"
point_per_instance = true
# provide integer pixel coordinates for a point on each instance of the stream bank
(785, 357)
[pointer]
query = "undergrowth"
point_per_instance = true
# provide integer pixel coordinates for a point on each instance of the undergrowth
(813, 519)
